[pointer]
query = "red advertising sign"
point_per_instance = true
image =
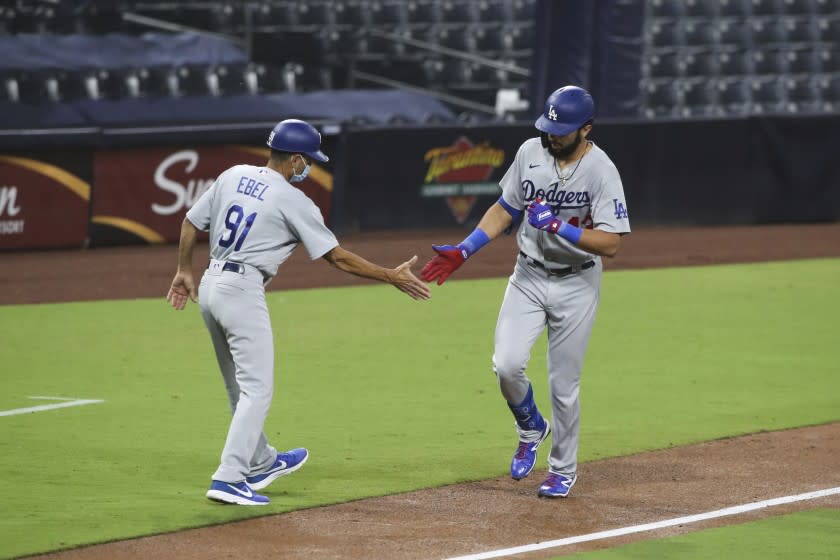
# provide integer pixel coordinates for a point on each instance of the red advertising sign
(147, 192)
(41, 205)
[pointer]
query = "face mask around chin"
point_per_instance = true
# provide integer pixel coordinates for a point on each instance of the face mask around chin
(298, 177)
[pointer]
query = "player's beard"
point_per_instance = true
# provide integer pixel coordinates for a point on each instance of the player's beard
(566, 151)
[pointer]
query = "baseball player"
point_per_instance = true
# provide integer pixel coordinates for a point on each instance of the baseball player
(256, 218)
(576, 212)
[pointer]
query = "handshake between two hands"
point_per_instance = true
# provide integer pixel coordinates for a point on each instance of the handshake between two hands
(450, 257)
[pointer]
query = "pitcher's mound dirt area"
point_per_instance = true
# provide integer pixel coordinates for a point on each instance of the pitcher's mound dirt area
(491, 514)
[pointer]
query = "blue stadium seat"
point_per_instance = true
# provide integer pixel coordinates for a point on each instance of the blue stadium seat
(230, 79)
(270, 79)
(518, 37)
(489, 38)
(453, 37)
(829, 92)
(192, 80)
(153, 81)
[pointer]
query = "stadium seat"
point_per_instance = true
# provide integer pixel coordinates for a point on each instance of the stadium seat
(801, 94)
(827, 7)
(339, 39)
(314, 12)
(660, 98)
(734, 8)
(192, 80)
(272, 14)
(700, 8)
(699, 63)
(458, 11)
(453, 37)
(766, 7)
(800, 30)
(665, 9)
(798, 7)
(270, 78)
(523, 10)
(353, 13)
(389, 12)
(423, 11)
(736, 62)
(733, 97)
(153, 81)
(662, 65)
(489, 39)
(231, 79)
(698, 97)
(828, 29)
(768, 95)
(492, 11)
(698, 32)
(829, 92)
(801, 60)
(769, 61)
(663, 33)
(733, 32)
(828, 60)
(767, 31)
(518, 37)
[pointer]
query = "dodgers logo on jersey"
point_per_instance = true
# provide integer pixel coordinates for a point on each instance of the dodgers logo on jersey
(620, 210)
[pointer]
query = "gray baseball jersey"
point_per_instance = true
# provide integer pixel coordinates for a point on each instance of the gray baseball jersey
(255, 219)
(543, 292)
(592, 196)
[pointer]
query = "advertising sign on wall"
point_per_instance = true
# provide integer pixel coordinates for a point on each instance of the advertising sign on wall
(42, 203)
(423, 177)
(142, 195)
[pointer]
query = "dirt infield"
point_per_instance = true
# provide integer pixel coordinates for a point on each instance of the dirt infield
(491, 514)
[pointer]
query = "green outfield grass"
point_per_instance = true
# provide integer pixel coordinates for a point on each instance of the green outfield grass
(380, 388)
(809, 534)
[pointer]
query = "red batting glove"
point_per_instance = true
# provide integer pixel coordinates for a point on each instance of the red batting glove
(448, 259)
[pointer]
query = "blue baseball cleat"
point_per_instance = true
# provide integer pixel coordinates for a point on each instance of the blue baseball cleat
(285, 463)
(235, 493)
(557, 485)
(526, 455)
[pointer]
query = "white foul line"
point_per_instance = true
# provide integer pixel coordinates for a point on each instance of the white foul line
(66, 402)
(734, 510)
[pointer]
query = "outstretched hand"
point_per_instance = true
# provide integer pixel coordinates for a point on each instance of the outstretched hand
(541, 217)
(405, 281)
(183, 287)
(448, 259)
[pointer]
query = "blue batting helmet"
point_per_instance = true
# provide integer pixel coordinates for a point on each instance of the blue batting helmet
(298, 137)
(566, 110)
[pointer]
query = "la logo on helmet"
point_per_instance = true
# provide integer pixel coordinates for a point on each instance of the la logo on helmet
(552, 114)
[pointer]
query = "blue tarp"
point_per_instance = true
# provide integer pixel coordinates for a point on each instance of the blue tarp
(371, 106)
(114, 50)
